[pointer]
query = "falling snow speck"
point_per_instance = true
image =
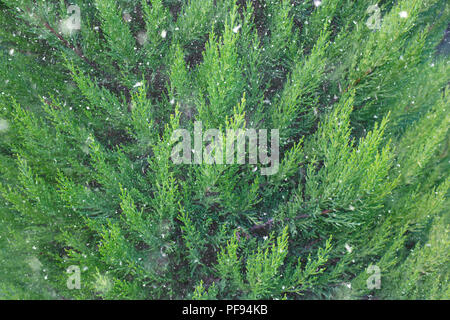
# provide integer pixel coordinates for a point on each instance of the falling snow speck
(348, 248)
(3, 125)
(127, 17)
(141, 37)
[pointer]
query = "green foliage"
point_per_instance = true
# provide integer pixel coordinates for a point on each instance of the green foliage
(87, 178)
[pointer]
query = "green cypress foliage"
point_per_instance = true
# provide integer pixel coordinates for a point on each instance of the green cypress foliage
(93, 92)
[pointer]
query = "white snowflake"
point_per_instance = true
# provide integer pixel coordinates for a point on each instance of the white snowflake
(3, 125)
(403, 14)
(236, 29)
(127, 17)
(348, 248)
(35, 264)
(141, 37)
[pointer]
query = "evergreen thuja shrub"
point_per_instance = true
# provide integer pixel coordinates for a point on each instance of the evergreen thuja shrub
(353, 98)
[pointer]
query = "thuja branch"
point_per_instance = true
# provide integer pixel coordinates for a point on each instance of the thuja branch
(67, 44)
(80, 54)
